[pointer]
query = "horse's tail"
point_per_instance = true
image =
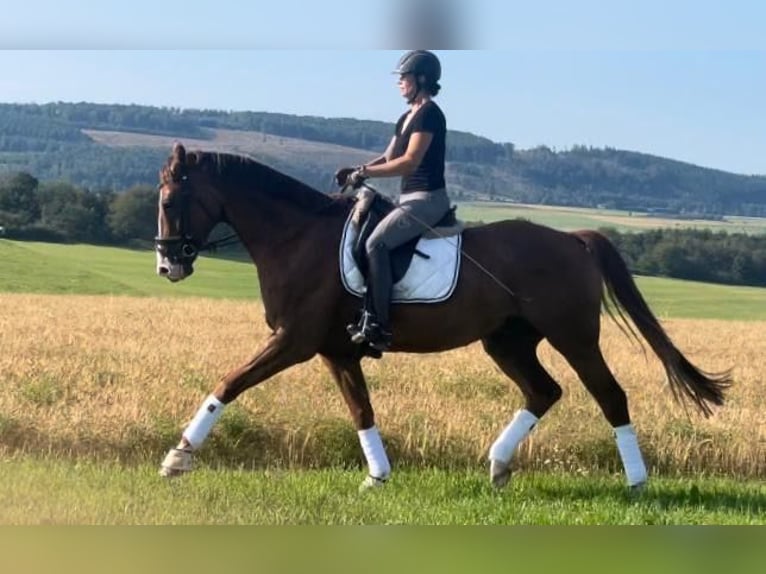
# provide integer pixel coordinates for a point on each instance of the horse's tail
(686, 380)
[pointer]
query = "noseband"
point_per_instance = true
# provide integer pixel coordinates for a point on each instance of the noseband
(183, 248)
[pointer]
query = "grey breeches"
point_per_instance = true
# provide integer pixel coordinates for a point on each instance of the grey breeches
(407, 221)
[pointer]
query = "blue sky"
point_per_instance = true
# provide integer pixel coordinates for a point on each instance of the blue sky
(683, 79)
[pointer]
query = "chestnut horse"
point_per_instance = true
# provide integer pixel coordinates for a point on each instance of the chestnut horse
(519, 283)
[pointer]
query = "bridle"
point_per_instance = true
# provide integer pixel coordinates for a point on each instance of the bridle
(183, 248)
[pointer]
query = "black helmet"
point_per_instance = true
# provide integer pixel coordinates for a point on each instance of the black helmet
(420, 63)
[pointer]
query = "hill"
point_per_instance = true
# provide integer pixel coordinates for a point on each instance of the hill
(102, 146)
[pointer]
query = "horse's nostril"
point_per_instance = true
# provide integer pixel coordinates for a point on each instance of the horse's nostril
(162, 270)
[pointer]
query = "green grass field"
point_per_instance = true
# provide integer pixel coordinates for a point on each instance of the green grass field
(30, 267)
(673, 298)
(569, 218)
(560, 218)
(59, 492)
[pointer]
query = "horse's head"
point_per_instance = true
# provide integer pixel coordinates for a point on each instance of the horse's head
(188, 211)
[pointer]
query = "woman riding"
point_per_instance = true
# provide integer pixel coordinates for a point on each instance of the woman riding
(416, 153)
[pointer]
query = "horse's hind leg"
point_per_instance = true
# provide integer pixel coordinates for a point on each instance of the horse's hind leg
(347, 373)
(513, 347)
(585, 357)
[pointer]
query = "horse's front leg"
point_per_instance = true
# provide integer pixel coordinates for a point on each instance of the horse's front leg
(349, 377)
(280, 352)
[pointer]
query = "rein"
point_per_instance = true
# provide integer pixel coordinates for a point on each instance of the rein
(212, 246)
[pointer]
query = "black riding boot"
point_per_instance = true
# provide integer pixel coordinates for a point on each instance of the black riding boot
(375, 325)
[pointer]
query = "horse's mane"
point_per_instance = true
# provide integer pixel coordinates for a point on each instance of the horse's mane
(242, 172)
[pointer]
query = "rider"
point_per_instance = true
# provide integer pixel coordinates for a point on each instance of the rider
(416, 153)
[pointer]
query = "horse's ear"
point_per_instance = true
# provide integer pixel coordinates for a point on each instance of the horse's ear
(192, 159)
(177, 160)
(179, 152)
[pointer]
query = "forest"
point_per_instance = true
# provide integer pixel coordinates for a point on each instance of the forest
(47, 141)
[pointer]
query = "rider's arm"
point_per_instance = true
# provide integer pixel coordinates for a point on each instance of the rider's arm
(386, 154)
(404, 164)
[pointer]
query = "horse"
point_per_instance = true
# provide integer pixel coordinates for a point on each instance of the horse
(519, 283)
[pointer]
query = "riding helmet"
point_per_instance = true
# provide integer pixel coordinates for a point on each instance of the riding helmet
(420, 63)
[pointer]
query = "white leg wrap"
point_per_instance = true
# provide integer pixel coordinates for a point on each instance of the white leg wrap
(630, 453)
(374, 452)
(200, 426)
(502, 449)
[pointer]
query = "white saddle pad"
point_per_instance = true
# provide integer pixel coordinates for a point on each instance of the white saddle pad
(427, 280)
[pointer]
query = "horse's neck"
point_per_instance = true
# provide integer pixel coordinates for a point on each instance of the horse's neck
(273, 227)
(286, 242)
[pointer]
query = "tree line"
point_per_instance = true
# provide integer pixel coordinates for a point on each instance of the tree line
(62, 212)
(63, 121)
(695, 254)
(47, 141)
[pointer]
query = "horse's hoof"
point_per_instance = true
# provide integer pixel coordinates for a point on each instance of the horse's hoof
(499, 473)
(177, 462)
(166, 472)
(372, 482)
(638, 488)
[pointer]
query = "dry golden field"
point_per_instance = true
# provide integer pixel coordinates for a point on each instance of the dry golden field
(115, 378)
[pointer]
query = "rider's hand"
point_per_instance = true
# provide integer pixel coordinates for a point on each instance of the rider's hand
(341, 176)
(356, 178)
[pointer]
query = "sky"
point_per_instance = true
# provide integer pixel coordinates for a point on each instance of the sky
(679, 79)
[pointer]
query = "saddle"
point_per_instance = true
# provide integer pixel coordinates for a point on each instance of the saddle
(371, 209)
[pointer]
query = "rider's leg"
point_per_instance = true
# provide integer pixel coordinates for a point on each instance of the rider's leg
(377, 328)
(416, 212)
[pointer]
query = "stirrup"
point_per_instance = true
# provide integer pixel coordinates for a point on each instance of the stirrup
(358, 334)
(354, 329)
(358, 330)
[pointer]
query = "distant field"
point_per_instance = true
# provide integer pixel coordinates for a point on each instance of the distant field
(688, 299)
(569, 218)
(29, 267)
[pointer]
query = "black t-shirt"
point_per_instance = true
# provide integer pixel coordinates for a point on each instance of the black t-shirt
(429, 175)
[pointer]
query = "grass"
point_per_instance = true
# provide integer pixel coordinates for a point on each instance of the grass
(671, 298)
(34, 491)
(560, 218)
(569, 218)
(30, 267)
